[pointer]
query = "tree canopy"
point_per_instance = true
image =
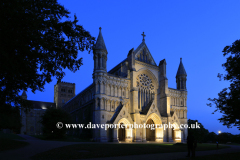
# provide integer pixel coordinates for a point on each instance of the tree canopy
(203, 135)
(229, 98)
(38, 41)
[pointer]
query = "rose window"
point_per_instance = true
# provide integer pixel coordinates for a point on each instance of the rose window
(144, 82)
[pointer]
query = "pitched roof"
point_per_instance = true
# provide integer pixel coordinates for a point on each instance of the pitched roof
(100, 42)
(42, 105)
(140, 48)
(147, 107)
(118, 109)
(181, 69)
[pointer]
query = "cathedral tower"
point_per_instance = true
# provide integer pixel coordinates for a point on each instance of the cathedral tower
(99, 80)
(100, 65)
(63, 92)
(181, 77)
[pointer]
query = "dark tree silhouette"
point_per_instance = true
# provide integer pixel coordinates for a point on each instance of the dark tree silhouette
(211, 137)
(49, 120)
(198, 133)
(36, 45)
(229, 98)
(10, 118)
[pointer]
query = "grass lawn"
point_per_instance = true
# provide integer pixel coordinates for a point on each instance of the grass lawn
(226, 156)
(238, 144)
(66, 139)
(9, 141)
(80, 151)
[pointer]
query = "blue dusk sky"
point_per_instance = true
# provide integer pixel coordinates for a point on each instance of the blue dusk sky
(195, 30)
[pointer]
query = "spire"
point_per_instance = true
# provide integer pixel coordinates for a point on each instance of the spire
(181, 70)
(100, 42)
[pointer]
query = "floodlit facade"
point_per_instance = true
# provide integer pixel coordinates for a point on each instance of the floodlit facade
(135, 91)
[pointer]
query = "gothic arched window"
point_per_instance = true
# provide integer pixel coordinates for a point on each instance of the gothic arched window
(146, 87)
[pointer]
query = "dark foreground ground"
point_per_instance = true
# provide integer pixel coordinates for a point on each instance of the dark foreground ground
(41, 149)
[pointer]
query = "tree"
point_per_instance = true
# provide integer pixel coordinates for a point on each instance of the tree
(229, 98)
(211, 137)
(10, 118)
(36, 45)
(49, 120)
(198, 133)
(236, 138)
(224, 137)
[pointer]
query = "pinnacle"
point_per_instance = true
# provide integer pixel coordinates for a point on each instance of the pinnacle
(100, 42)
(181, 69)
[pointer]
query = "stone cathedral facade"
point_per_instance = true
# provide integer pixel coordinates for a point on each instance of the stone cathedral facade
(134, 91)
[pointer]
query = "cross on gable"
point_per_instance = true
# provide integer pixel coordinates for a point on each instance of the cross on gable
(143, 36)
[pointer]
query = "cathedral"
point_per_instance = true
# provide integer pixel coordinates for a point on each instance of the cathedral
(135, 91)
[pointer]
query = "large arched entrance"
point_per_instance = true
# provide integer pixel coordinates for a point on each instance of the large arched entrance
(121, 132)
(156, 134)
(150, 130)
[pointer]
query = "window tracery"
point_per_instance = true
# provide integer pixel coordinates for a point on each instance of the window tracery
(144, 82)
(145, 90)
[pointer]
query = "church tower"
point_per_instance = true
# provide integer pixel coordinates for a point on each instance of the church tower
(99, 80)
(63, 92)
(181, 77)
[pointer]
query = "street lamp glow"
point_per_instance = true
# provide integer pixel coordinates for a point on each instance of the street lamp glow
(219, 132)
